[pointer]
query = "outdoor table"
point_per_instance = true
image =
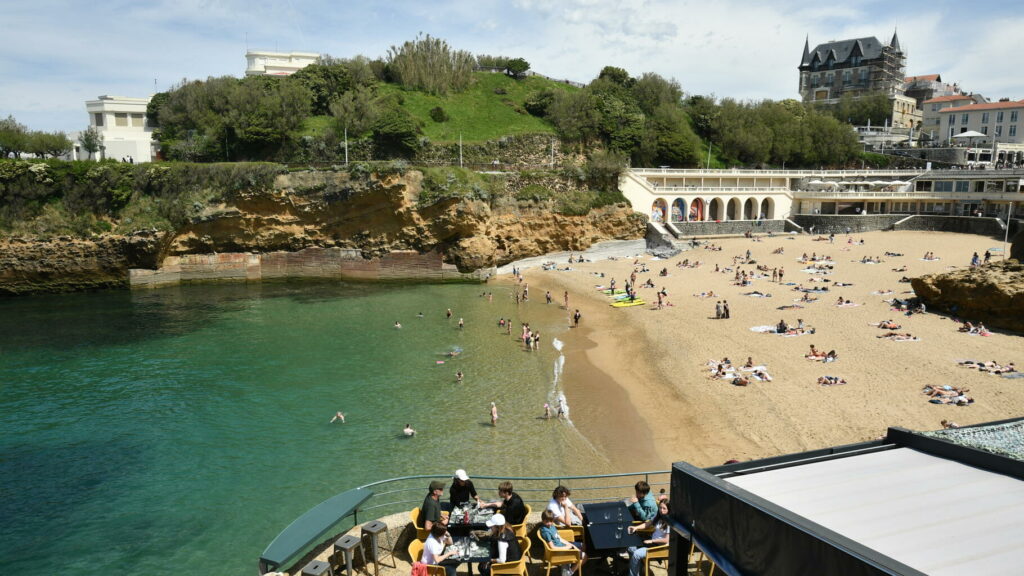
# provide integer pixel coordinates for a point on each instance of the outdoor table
(478, 518)
(470, 551)
(608, 529)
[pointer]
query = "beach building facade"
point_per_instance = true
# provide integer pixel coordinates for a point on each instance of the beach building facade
(121, 122)
(996, 122)
(265, 63)
(669, 196)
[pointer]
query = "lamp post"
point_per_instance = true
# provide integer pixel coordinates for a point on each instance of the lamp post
(1006, 235)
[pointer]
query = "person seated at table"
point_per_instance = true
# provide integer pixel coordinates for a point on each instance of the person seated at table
(504, 546)
(462, 489)
(642, 506)
(565, 513)
(433, 549)
(510, 506)
(658, 537)
(430, 511)
(549, 533)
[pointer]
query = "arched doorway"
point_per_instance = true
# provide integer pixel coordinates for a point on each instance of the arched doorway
(732, 210)
(716, 209)
(678, 210)
(768, 208)
(659, 210)
(697, 210)
(750, 209)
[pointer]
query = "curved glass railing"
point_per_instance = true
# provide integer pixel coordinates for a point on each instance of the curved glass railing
(383, 498)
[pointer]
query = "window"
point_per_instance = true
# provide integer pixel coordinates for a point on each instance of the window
(984, 117)
(97, 119)
(952, 118)
(984, 130)
(1013, 115)
(815, 80)
(999, 117)
(963, 186)
(830, 78)
(847, 77)
(935, 107)
(120, 119)
(138, 120)
(864, 76)
(963, 118)
(999, 131)
(1013, 130)
(944, 186)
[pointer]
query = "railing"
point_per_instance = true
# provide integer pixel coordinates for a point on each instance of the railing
(854, 194)
(402, 494)
(769, 172)
(713, 190)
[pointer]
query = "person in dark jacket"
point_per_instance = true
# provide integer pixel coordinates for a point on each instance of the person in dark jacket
(510, 506)
(462, 489)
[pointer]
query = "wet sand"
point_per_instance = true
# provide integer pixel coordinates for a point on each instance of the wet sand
(644, 396)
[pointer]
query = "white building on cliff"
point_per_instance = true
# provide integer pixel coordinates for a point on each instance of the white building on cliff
(121, 121)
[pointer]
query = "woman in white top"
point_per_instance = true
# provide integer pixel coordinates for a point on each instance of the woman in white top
(433, 548)
(566, 514)
(660, 536)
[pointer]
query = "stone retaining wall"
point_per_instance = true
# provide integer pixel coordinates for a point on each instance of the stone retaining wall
(308, 263)
(829, 224)
(962, 224)
(736, 227)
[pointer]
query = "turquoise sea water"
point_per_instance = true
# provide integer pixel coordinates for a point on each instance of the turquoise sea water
(180, 430)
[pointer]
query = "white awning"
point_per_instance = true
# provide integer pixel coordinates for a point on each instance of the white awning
(932, 514)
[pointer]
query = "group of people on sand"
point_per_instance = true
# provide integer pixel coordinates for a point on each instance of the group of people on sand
(793, 330)
(947, 395)
(991, 367)
(724, 370)
(930, 256)
(970, 328)
(814, 258)
(871, 260)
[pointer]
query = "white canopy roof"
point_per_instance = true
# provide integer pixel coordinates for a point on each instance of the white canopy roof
(932, 514)
(969, 134)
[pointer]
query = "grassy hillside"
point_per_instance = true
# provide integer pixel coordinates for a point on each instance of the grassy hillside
(491, 108)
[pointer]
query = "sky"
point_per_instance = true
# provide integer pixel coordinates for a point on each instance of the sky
(55, 55)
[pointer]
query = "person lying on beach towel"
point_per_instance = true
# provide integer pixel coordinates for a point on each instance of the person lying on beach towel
(757, 294)
(947, 395)
(882, 292)
(898, 337)
(791, 306)
(831, 380)
(842, 284)
(900, 269)
(893, 254)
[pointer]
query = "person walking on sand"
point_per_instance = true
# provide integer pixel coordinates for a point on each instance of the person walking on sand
(782, 272)
(576, 318)
(547, 296)
(565, 297)
(338, 416)
(494, 414)
(718, 310)
(725, 309)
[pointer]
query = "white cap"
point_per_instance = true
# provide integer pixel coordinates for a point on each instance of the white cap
(496, 520)
(461, 474)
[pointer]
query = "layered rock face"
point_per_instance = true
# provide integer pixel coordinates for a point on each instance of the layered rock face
(993, 294)
(67, 264)
(377, 216)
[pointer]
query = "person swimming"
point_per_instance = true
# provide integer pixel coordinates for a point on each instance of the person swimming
(408, 431)
(338, 416)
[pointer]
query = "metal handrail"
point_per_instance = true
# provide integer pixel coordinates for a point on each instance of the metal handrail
(391, 497)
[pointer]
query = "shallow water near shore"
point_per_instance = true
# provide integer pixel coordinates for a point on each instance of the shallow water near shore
(182, 429)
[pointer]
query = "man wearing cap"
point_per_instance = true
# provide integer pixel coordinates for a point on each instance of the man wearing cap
(462, 489)
(504, 546)
(430, 512)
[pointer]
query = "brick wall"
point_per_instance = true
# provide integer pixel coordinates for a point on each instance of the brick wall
(308, 263)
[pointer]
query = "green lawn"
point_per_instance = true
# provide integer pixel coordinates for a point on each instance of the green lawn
(479, 114)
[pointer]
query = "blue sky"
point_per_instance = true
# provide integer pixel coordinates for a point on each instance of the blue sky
(55, 55)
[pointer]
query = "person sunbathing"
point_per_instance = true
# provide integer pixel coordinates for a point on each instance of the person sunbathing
(831, 380)
(966, 327)
(831, 356)
(889, 325)
(740, 381)
(815, 353)
(761, 374)
(900, 269)
(778, 250)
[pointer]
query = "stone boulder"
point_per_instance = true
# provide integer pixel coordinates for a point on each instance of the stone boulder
(993, 294)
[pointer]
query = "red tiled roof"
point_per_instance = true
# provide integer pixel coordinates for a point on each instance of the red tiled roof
(952, 98)
(985, 106)
(931, 77)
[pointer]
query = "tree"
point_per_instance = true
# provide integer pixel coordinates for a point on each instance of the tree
(13, 138)
(604, 169)
(652, 91)
(91, 140)
(52, 144)
(356, 110)
(517, 68)
(616, 75)
(395, 132)
(429, 64)
(325, 82)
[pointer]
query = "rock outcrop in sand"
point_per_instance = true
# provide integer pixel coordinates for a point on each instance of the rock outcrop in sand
(993, 294)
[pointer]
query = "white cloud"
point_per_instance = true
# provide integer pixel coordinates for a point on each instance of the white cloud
(736, 48)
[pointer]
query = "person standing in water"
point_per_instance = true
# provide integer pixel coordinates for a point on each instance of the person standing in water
(494, 414)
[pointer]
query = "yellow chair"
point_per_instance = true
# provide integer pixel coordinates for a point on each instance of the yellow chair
(416, 552)
(421, 532)
(561, 556)
(520, 529)
(517, 568)
(654, 553)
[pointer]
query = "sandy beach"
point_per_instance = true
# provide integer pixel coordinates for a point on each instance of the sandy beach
(640, 388)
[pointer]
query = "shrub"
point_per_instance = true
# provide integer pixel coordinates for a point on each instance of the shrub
(437, 114)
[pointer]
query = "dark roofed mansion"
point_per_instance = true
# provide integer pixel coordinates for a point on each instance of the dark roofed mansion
(857, 67)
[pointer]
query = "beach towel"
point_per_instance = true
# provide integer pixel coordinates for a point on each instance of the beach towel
(763, 329)
(929, 259)
(1013, 375)
(757, 295)
(791, 306)
(881, 293)
(850, 305)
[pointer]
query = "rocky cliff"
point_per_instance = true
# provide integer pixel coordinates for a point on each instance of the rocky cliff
(376, 215)
(993, 294)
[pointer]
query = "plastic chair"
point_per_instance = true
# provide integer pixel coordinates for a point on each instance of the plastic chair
(421, 532)
(561, 556)
(416, 552)
(520, 529)
(654, 553)
(517, 568)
